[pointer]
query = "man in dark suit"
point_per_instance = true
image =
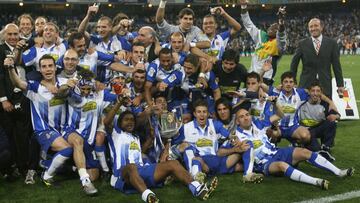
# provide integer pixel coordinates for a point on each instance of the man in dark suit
(15, 107)
(318, 53)
(147, 36)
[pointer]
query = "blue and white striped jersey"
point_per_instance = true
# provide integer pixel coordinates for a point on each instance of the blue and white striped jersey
(90, 61)
(47, 112)
(263, 148)
(32, 56)
(179, 78)
(125, 149)
(155, 73)
(206, 140)
(289, 105)
(218, 45)
(116, 43)
(84, 113)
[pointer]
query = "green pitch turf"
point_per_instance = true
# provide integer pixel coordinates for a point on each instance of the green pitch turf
(230, 189)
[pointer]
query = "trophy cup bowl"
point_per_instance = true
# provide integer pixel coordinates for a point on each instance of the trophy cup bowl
(169, 124)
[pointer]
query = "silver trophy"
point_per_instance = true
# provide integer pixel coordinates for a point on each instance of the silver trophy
(170, 123)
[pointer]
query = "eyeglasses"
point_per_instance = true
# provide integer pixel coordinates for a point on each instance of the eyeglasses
(70, 59)
(86, 89)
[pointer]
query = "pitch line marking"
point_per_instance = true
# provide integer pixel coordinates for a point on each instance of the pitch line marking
(334, 198)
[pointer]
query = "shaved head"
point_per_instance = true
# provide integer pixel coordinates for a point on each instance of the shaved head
(11, 34)
(10, 25)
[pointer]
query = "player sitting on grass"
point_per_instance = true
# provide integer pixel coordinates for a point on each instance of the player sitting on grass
(272, 160)
(130, 174)
(199, 141)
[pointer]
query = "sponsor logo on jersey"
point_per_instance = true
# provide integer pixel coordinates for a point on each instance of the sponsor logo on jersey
(288, 109)
(134, 146)
(56, 102)
(89, 106)
(203, 142)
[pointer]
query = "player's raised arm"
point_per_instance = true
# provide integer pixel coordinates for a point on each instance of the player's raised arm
(14, 77)
(92, 10)
(160, 13)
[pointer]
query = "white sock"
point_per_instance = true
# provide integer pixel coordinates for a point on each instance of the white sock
(84, 176)
(189, 157)
(302, 177)
(102, 160)
(324, 163)
(145, 194)
(57, 161)
(46, 176)
(195, 169)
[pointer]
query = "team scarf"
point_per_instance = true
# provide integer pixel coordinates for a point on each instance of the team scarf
(268, 46)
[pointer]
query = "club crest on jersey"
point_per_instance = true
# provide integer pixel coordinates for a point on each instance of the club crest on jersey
(172, 78)
(56, 102)
(151, 72)
(211, 132)
(203, 142)
(134, 146)
(89, 106)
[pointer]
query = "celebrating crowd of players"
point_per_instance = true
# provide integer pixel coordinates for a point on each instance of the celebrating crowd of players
(90, 94)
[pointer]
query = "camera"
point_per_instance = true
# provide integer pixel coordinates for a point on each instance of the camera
(215, 11)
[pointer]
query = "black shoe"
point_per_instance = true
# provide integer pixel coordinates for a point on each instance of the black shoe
(106, 176)
(327, 155)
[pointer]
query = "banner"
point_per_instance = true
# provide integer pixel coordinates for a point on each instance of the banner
(346, 105)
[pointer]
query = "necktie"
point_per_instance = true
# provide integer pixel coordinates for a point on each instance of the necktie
(317, 46)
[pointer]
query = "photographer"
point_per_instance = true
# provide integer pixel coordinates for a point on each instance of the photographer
(14, 109)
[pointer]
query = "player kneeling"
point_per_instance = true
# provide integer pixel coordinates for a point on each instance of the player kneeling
(273, 161)
(129, 172)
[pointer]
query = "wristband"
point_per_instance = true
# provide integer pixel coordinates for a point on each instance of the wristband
(2, 99)
(192, 44)
(162, 4)
(243, 6)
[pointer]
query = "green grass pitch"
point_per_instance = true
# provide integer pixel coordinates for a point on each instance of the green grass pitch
(230, 189)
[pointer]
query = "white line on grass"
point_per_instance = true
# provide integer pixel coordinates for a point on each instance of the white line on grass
(339, 197)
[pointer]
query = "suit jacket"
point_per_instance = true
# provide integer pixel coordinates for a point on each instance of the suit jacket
(320, 64)
(6, 86)
(151, 55)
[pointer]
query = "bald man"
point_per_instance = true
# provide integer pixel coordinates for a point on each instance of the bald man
(70, 64)
(147, 36)
(14, 108)
(318, 54)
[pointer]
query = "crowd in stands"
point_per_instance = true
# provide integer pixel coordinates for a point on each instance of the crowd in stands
(342, 26)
